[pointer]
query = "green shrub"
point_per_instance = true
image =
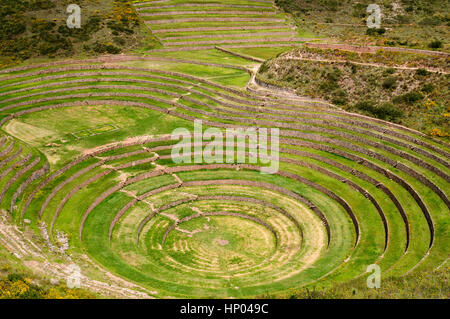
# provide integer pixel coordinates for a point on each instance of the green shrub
(9, 29)
(15, 277)
(390, 83)
(408, 98)
(403, 19)
(428, 88)
(330, 82)
(365, 105)
(119, 40)
(339, 97)
(389, 71)
(359, 10)
(25, 33)
(53, 44)
(119, 27)
(334, 75)
(105, 48)
(376, 31)
(389, 112)
(264, 67)
(429, 284)
(112, 49)
(429, 21)
(328, 86)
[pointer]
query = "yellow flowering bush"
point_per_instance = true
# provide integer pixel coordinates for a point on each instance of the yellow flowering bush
(437, 132)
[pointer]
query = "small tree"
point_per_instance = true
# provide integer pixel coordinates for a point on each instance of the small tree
(436, 44)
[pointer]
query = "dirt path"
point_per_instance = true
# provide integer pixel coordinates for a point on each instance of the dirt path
(379, 65)
(256, 87)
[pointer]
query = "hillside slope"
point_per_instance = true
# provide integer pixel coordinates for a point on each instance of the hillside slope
(407, 23)
(37, 28)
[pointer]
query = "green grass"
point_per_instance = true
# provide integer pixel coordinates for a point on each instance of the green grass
(58, 125)
(353, 86)
(131, 219)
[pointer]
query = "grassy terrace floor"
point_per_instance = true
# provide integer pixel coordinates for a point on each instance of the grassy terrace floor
(188, 24)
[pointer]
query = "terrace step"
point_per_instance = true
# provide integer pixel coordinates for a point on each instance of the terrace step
(243, 40)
